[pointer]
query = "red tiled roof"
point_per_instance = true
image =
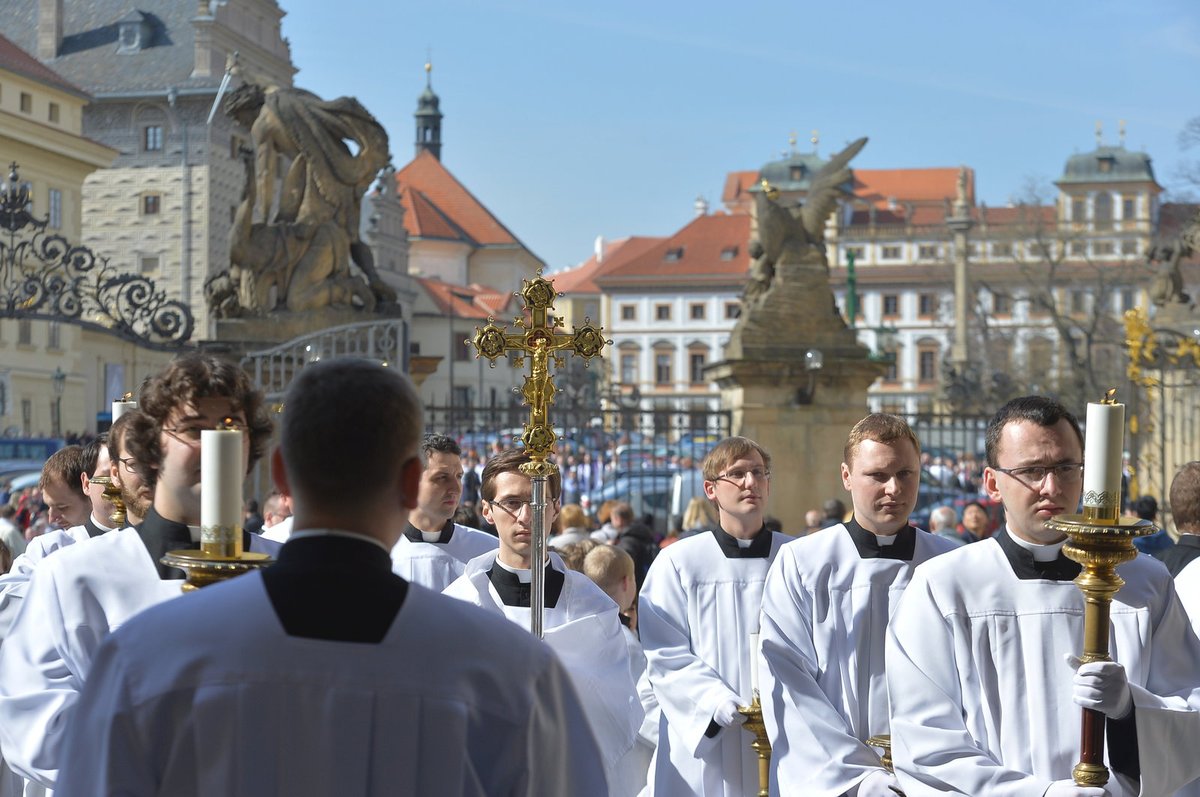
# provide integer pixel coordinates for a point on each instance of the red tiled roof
(695, 252)
(582, 278)
(1021, 215)
(910, 185)
(736, 185)
(465, 301)
(14, 59)
(454, 204)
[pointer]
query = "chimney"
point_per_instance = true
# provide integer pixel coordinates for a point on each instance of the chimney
(701, 206)
(50, 29)
(599, 248)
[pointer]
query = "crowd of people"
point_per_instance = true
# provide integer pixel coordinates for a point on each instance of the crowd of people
(387, 649)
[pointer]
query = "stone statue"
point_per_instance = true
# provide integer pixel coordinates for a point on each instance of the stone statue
(299, 258)
(795, 235)
(1167, 285)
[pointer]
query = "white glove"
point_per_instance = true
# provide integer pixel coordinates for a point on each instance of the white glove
(1067, 788)
(727, 714)
(1102, 685)
(879, 783)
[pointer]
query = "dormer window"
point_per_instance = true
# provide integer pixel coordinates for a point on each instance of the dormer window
(1106, 164)
(674, 255)
(729, 253)
(133, 33)
(797, 173)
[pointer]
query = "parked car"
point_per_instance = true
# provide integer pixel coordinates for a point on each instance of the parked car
(647, 491)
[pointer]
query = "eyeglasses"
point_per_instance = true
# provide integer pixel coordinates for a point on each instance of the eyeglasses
(1035, 475)
(512, 506)
(127, 462)
(738, 477)
(191, 432)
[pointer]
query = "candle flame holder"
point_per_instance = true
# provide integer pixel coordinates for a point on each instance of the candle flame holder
(1098, 540)
(757, 727)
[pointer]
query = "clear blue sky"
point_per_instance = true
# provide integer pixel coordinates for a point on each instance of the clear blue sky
(577, 119)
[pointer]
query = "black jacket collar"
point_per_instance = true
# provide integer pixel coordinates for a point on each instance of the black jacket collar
(414, 534)
(1026, 569)
(759, 547)
(160, 536)
(869, 547)
(514, 593)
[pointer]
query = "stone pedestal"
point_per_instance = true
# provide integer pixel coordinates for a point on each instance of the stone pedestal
(800, 416)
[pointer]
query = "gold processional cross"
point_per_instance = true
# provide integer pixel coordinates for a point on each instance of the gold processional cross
(541, 341)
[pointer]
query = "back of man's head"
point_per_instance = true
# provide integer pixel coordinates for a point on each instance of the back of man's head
(834, 510)
(1146, 507)
(64, 467)
(1185, 499)
(189, 378)
(623, 515)
(611, 568)
(1040, 410)
(944, 518)
(348, 428)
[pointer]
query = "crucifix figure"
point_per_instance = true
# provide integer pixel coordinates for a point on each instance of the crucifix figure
(540, 340)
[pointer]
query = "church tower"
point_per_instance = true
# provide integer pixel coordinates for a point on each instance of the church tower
(429, 119)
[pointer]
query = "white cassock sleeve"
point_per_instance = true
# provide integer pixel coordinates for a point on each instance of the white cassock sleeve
(692, 690)
(38, 682)
(813, 750)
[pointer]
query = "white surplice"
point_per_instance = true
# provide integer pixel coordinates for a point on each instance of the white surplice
(14, 583)
(74, 598)
(981, 696)
(696, 612)
(583, 628)
(242, 709)
(435, 565)
(825, 611)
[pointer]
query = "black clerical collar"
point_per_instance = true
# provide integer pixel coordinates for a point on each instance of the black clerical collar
(759, 547)
(1026, 568)
(1189, 539)
(92, 529)
(869, 548)
(515, 593)
(414, 534)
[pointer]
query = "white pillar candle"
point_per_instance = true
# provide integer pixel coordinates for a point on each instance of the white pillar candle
(1102, 458)
(754, 651)
(221, 476)
(122, 406)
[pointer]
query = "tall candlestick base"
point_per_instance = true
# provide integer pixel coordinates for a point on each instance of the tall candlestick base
(761, 745)
(883, 741)
(203, 568)
(1098, 543)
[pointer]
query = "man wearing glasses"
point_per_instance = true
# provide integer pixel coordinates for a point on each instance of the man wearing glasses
(984, 700)
(826, 605)
(579, 621)
(699, 604)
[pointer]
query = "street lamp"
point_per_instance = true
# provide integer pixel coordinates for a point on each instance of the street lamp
(885, 344)
(814, 361)
(58, 381)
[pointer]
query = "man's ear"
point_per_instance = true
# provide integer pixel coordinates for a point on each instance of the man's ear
(279, 476)
(989, 484)
(410, 481)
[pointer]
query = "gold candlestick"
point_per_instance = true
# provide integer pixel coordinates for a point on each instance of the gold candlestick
(1099, 545)
(884, 742)
(112, 494)
(761, 745)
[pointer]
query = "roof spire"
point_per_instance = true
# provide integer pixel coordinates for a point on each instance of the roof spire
(792, 142)
(429, 117)
(1099, 134)
(428, 70)
(816, 140)
(1121, 132)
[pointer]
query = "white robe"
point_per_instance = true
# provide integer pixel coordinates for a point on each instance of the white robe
(825, 611)
(584, 630)
(981, 697)
(696, 612)
(436, 565)
(15, 582)
(1187, 585)
(75, 598)
(280, 532)
(240, 709)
